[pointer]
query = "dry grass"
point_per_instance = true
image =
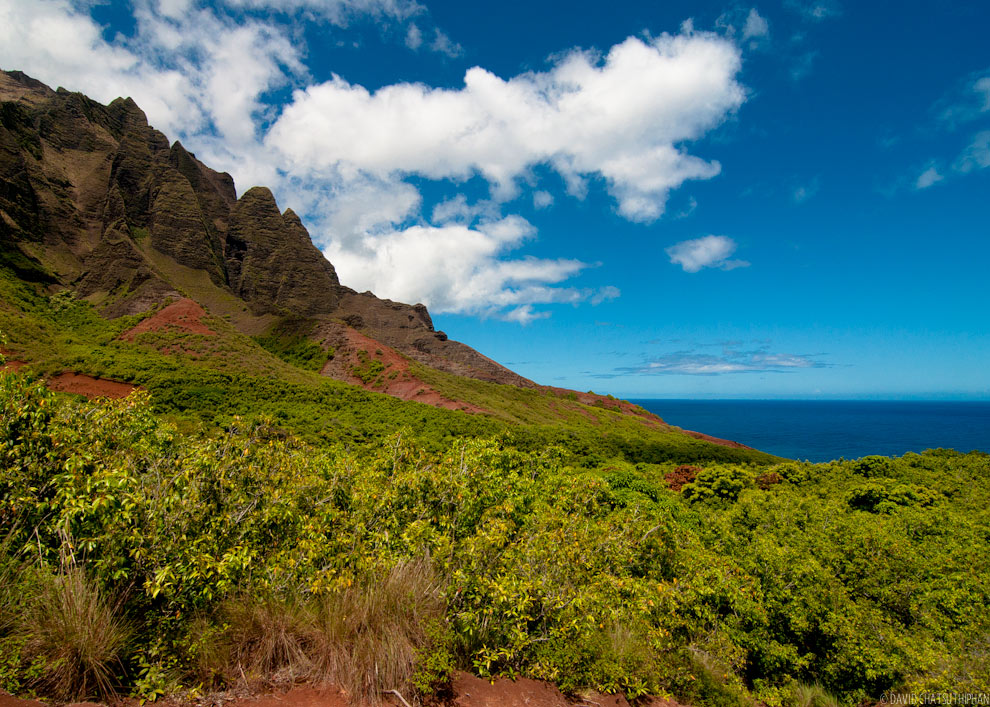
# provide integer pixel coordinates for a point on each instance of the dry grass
(364, 638)
(76, 633)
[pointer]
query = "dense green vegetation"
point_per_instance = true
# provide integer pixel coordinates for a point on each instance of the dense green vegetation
(245, 519)
(288, 341)
(190, 559)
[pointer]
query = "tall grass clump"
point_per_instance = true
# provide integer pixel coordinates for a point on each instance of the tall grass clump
(74, 633)
(366, 638)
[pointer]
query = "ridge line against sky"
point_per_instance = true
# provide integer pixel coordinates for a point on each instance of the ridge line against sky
(513, 162)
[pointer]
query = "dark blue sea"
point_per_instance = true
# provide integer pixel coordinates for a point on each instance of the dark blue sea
(819, 430)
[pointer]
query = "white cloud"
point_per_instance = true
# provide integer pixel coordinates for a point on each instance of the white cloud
(814, 10)
(338, 12)
(340, 155)
(605, 294)
(456, 268)
(542, 199)
(624, 118)
(705, 252)
(756, 27)
(968, 100)
(752, 28)
(976, 155)
(981, 87)
(697, 362)
(443, 44)
(414, 36)
(927, 178)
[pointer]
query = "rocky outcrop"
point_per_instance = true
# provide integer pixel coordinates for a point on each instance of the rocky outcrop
(94, 198)
(273, 264)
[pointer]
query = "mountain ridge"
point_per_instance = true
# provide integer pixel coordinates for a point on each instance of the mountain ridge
(100, 202)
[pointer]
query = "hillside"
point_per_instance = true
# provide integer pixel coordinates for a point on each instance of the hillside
(170, 282)
(222, 472)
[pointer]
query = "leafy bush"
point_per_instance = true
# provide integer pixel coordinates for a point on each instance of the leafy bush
(718, 483)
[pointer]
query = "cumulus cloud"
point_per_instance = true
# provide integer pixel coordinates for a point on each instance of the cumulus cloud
(624, 117)
(705, 252)
(350, 160)
(455, 268)
(443, 44)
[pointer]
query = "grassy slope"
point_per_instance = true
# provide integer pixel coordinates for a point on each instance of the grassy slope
(207, 380)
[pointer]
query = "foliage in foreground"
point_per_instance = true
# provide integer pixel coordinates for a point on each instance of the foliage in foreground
(249, 555)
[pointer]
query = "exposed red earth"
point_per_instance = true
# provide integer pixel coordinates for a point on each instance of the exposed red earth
(10, 364)
(79, 383)
(184, 314)
(355, 353)
(91, 387)
(468, 691)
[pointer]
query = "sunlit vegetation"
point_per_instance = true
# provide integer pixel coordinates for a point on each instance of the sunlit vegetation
(199, 561)
(243, 519)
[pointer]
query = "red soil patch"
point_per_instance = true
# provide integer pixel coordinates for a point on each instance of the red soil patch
(184, 314)
(355, 352)
(10, 364)
(301, 696)
(82, 384)
(468, 691)
(475, 692)
(7, 700)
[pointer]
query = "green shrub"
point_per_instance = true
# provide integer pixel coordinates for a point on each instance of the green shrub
(718, 483)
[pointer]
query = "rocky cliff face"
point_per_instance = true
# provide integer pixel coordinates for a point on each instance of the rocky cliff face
(95, 199)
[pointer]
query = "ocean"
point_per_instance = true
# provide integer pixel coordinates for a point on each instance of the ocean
(818, 430)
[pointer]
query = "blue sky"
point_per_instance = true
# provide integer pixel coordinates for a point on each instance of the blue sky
(679, 199)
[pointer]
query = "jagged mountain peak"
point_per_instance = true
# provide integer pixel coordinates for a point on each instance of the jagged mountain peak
(97, 200)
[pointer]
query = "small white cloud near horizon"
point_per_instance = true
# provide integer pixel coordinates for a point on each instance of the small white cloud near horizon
(706, 252)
